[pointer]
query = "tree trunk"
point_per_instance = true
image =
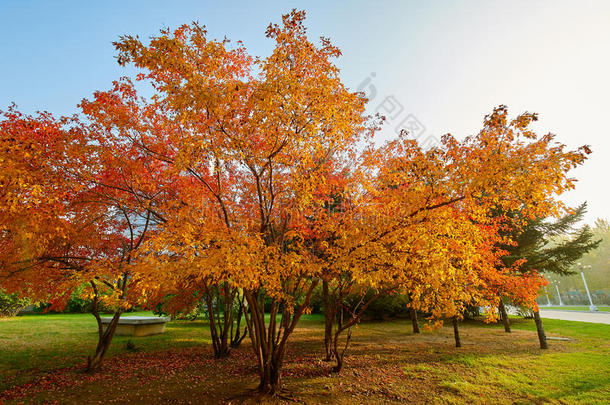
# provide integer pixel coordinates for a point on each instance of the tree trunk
(340, 354)
(236, 336)
(227, 317)
(456, 332)
(355, 314)
(329, 318)
(271, 380)
(218, 332)
(414, 321)
(104, 339)
(540, 329)
(504, 316)
(269, 341)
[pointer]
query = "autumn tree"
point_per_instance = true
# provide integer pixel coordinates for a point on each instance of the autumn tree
(186, 216)
(66, 223)
(245, 176)
(129, 188)
(423, 224)
(252, 135)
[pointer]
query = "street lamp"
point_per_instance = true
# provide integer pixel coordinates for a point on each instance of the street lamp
(548, 300)
(558, 294)
(592, 307)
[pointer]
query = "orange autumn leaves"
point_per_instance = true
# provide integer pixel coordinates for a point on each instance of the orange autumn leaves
(45, 230)
(252, 171)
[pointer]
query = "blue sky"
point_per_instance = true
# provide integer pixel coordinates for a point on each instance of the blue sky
(441, 65)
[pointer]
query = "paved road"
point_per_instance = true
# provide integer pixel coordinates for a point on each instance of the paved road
(595, 317)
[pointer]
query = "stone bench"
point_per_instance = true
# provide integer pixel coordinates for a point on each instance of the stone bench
(138, 325)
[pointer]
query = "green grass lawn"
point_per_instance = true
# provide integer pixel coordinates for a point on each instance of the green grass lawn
(576, 308)
(41, 358)
(578, 374)
(58, 340)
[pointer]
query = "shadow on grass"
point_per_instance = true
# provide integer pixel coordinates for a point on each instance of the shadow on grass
(385, 363)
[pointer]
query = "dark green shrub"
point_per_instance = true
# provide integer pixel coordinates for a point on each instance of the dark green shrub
(387, 306)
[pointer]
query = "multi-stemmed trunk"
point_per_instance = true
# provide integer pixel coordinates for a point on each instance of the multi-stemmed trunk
(236, 335)
(338, 352)
(223, 331)
(540, 329)
(104, 335)
(334, 316)
(269, 340)
(118, 285)
(504, 316)
(456, 332)
(104, 339)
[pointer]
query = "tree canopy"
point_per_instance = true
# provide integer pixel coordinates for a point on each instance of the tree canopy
(259, 177)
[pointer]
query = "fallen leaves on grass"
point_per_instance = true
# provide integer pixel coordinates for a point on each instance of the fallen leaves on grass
(141, 369)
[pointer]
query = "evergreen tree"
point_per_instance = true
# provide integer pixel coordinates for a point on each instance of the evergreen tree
(549, 247)
(552, 247)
